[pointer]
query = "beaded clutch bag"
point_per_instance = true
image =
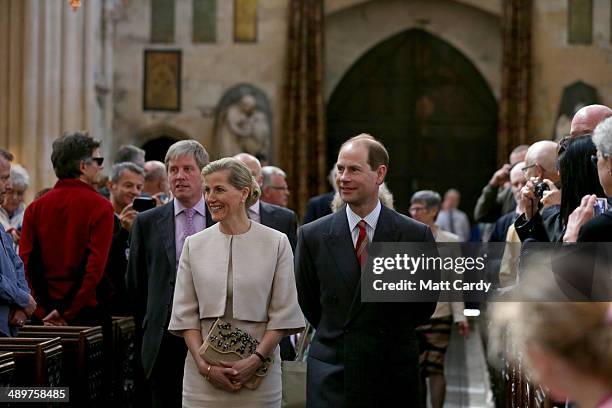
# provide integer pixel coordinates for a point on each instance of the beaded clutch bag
(227, 343)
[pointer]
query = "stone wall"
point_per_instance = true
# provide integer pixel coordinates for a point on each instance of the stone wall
(557, 64)
(208, 70)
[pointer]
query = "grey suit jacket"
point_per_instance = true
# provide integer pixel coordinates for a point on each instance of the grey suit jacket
(151, 276)
(363, 354)
(281, 219)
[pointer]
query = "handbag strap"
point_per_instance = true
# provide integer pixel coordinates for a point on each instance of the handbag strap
(303, 340)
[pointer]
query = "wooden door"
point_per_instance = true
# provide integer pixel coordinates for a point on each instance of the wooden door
(431, 108)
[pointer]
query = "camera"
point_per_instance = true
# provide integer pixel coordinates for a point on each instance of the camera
(141, 204)
(600, 206)
(539, 188)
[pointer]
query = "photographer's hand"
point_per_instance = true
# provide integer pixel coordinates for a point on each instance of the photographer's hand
(127, 217)
(552, 196)
(580, 216)
(528, 199)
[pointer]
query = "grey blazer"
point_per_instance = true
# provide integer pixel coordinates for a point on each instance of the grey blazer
(151, 276)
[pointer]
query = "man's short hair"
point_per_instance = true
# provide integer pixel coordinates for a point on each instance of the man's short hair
(6, 155)
(186, 147)
(268, 172)
(68, 152)
(129, 153)
(428, 198)
(118, 169)
(377, 153)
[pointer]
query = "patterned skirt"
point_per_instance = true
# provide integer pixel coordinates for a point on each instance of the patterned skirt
(433, 342)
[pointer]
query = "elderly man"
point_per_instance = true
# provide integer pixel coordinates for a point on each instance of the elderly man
(587, 118)
(16, 303)
(156, 243)
(541, 164)
(363, 354)
(278, 218)
(67, 235)
(496, 198)
(156, 181)
(13, 207)
(274, 189)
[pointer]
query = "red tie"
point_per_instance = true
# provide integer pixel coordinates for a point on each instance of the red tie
(361, 249)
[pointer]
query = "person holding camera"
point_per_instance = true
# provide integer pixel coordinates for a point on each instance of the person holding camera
(540, 196)
(547, 209)
(583, 224)
(125, 184)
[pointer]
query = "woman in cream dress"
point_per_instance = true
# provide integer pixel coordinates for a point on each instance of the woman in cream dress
(242, 272)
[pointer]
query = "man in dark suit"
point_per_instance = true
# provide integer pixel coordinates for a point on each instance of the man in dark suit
(156, 242)
(320, 206)
(279, 218)
(363, 354)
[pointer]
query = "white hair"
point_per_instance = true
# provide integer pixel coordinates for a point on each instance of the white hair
(602, 137)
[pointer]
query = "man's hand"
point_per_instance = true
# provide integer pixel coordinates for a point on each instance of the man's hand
(245, 368)
(552, 196)
(528, 199)
(500, 176)
(31, 307)
(127, 217)
(54, 319)
(17, 317)
(580, 216)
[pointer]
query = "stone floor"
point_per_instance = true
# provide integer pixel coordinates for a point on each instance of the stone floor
(467, 380)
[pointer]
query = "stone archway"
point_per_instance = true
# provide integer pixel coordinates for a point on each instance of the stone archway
(156, 140)
(353, 27)
(429, 105)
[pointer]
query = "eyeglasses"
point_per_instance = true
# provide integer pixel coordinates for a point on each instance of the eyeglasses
(524, 169)
(284, 188)
(594, 159)
(98, 160)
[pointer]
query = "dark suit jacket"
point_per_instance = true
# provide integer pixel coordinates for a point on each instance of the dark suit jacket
(285, 221)
(599, 229)
(363, 354)
(151, 276)
(280, 219)
(318, 207)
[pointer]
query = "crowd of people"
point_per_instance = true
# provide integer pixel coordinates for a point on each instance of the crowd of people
(207, 257)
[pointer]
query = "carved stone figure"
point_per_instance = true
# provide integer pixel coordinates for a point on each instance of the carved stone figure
(243, 123)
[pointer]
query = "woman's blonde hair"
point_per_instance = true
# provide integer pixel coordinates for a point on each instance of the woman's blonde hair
(578, 332)
(239, 176)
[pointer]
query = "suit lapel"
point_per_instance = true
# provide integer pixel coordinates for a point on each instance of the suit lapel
(166, 227)
(340, 244)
